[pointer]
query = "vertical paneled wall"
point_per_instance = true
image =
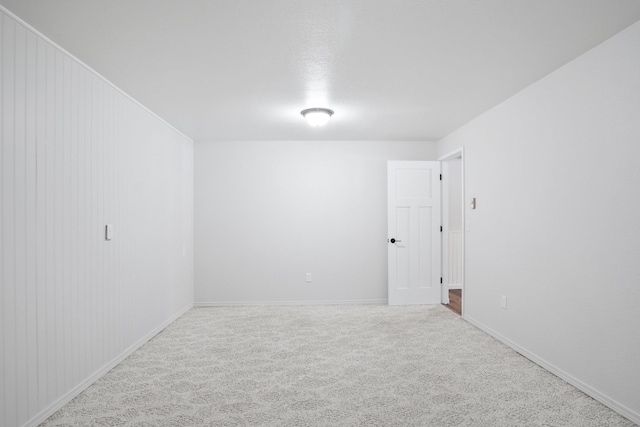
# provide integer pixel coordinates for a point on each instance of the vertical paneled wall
(77, 154)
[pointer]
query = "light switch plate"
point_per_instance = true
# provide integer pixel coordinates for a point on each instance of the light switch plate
(108, 232)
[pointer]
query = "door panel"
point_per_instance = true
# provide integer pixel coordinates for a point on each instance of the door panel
(414, 222)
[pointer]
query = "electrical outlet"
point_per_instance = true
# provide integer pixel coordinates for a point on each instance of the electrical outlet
(503, 304)
(308, 278)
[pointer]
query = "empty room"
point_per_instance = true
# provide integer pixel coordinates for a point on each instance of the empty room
(319, 213)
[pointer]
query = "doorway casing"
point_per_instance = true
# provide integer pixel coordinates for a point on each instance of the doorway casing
(446, 214)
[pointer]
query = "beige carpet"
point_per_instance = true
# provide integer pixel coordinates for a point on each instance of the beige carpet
(329, 366)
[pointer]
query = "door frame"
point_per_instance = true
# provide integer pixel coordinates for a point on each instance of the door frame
(455, 154)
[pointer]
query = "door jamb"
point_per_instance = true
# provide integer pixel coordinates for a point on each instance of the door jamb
(458, 153)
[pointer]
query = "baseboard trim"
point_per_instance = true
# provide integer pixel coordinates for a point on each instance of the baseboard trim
(264, 303)
(585, 388)
(67, 397)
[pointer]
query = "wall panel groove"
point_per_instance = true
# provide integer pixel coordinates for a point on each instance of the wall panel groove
(3, 341)
(77, 154)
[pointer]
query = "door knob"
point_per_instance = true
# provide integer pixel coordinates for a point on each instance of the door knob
(394, 240)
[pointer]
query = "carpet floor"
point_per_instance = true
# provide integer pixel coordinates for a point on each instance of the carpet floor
(329, 366)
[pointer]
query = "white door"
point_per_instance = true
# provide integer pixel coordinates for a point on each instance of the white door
(414, 232)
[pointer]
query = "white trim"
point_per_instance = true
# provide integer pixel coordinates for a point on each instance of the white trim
(263, 303)
(73, 57)
(67, 397)
(444, 239)
(586, 389)
(459, 152)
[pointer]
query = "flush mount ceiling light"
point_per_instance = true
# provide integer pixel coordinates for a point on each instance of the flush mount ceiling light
(317, 116)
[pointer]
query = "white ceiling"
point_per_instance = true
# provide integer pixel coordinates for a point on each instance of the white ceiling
(391, 70)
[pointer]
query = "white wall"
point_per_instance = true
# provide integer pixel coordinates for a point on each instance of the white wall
(268, 212)
(77, 154)
(556, 173)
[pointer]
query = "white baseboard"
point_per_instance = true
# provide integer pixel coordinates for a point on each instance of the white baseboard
(67, 397)
(586, 389)
(264, 303)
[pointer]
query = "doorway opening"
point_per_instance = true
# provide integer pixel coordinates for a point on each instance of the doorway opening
(453, 222)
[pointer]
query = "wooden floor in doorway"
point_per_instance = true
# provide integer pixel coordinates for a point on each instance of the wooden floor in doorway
(455, 301)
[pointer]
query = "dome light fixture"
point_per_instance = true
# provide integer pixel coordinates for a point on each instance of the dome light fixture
(317, 116)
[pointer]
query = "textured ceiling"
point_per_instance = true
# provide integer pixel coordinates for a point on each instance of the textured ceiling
(391, 70)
